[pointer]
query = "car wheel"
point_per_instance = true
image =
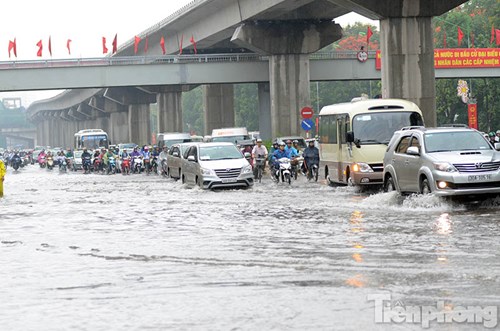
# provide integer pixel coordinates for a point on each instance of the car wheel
(389, 184)
(425, 187)
(183, 179)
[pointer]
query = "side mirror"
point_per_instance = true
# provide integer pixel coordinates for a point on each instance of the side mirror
(497, 146)
(413, 150)
(349, 136)
(191, 158)
(176, 154)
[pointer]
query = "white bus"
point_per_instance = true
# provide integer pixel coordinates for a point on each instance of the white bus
(353, 138)
(233, 135)
(91, 139)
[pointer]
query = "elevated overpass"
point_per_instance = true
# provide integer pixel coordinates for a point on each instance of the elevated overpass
(286, 31)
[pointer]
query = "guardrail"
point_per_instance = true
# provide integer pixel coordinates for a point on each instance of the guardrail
(164, 59)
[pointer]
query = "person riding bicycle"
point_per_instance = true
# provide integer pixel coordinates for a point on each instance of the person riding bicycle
(311, 156)
(259, 151)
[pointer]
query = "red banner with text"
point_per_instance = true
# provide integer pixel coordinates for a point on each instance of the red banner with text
(451, 58)
(472, 109)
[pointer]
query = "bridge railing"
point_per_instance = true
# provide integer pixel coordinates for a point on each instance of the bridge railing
(165, 59)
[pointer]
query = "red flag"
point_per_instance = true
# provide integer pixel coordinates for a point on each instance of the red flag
(104, 48)
(444, 39)
(68, 46)
(146, 45)
(180, 45)
(497, 33)
(460, 36)
(50, 45)
(194, 44)
(492, 34)
(115, 43)
(12, 46)
(136, 43)
(369, 34)
(162, 44)
(40, 47)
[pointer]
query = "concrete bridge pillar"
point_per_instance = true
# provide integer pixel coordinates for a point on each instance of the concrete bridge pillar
(119, 130)
(170, 110)
(139, 124)
(288, 43)
(264, 95)
(218, 106)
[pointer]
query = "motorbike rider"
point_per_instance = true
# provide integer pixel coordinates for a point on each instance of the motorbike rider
(41, 155)
(296, 146)
(2, 176)
(259, 151)
(60, 158)
(106, 157)
(492, 137)
(278, 154)
(85, 154)
(146, 154)
(135, 153)
(294, 154)
(162, 159)
(311, 156)
(15, 158)
(274, 147)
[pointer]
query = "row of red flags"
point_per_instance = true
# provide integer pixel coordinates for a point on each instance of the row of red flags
(137, 40)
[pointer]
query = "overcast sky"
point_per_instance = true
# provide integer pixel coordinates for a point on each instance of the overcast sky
(85, 22)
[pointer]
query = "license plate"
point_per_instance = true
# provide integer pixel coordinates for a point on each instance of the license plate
(478, 178)
(229, 180)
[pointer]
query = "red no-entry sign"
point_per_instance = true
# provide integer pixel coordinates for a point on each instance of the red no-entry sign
(306, 112)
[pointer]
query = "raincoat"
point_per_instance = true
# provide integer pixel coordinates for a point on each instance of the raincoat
(2, 175)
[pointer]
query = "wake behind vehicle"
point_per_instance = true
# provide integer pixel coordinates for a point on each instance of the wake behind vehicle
(446, 161)
(216, 165)
(354, 137)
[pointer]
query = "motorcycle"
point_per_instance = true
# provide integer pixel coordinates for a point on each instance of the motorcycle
(284, 173)
(137, 165)
(50, 162)
(260, 162)
(296, 165)
(63, 165)
(111, 166)
(98, 165)
(16, 162)
(147, 166)
(42, 162)
(154, 164)
(126, 166)
(86, 164)
(164, 168)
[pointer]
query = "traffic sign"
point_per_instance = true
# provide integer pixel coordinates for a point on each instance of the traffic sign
(307, 124)
(306, 112)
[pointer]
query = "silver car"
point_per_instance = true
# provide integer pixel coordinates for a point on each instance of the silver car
(216, 165)
(446, 161)
(174, 158)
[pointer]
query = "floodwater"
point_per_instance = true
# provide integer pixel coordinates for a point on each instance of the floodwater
(97, 252)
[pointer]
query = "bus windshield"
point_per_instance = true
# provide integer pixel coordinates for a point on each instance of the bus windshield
(94, 141)
(378, 128)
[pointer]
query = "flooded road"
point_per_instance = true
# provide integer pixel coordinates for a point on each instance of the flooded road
(96, 252)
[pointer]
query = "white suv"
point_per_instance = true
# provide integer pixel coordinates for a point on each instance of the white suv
(216, 165)
(445, 161)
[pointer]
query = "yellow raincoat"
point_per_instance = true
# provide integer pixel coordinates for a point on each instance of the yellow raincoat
(2, 175)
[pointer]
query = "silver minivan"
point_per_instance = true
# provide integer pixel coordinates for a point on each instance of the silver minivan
(216, 165)
(174, 158)
(446, 161)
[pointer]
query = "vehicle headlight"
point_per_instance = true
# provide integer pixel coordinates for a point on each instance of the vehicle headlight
(444, 166)
(207, 172)
(246, 169)
(361, 167)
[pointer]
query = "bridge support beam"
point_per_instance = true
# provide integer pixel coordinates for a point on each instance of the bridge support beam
(288, 43)
(406, 45)
(218, 106)
(170, 110)
(119, 128)
(264, 95)
(139, 124)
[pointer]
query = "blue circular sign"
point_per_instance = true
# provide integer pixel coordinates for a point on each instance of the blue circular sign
(307, 124)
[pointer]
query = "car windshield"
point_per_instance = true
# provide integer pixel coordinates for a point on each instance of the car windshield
(127, 146)
(455, 141)
(226, 152)
(378, 128)
(169, 143)
(230, 139)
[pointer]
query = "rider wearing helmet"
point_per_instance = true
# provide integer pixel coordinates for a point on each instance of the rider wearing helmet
(278, 154)
(311, 156)
(492, 137)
